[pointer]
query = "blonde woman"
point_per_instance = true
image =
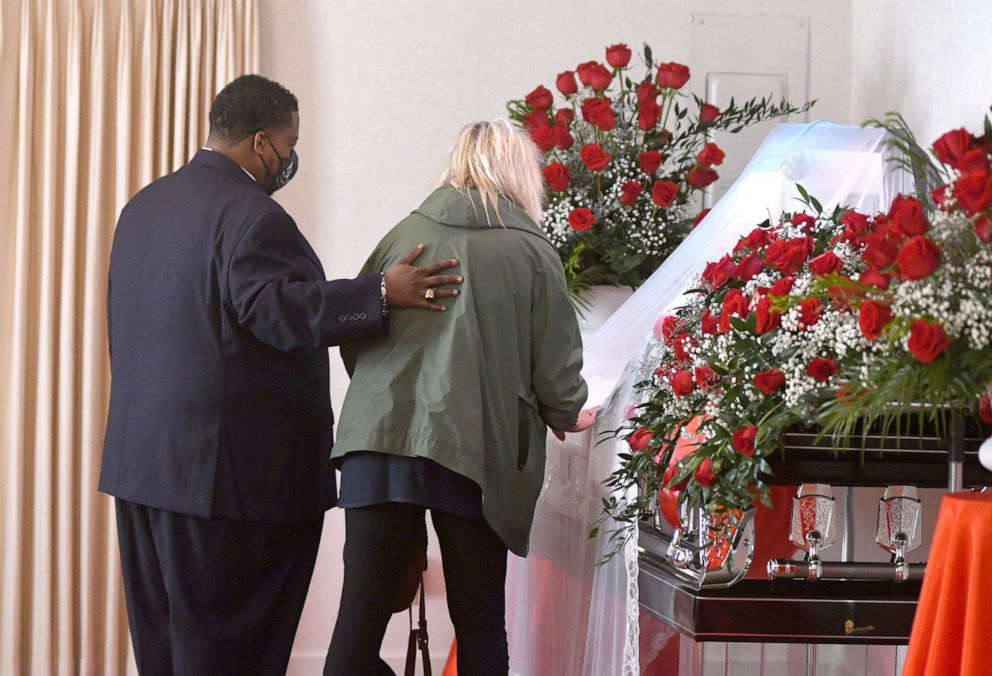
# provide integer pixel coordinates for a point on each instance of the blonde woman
(450, 411)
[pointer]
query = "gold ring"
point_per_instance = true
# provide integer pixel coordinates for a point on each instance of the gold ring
(429, 294)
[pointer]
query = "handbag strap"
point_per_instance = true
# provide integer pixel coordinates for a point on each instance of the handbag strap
(418, 638)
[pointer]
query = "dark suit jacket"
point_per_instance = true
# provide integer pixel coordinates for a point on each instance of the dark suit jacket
(219, 319)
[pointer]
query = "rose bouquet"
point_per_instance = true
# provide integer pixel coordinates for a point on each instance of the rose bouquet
(836, 320)
(624, 162)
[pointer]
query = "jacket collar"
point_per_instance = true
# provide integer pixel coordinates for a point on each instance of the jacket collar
(216, 160)
(450, 206)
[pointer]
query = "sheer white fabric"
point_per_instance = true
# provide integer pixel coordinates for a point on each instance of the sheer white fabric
(565, 615)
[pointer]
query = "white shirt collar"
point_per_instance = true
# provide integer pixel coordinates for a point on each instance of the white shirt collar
(242, 168)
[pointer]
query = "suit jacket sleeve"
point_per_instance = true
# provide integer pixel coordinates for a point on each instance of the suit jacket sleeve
(556, 351)
(278, 291)
(349, 353)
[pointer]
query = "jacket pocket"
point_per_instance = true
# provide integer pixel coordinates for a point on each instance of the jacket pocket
(528, 426)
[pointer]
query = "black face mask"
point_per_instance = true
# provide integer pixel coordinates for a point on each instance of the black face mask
(287, 170)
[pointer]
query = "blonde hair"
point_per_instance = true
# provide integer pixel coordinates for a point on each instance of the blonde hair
(498, 160)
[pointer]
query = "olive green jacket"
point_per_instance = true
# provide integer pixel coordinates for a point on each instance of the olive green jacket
(472, 388)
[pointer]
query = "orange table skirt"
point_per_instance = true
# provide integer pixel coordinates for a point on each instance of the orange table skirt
(952, 631)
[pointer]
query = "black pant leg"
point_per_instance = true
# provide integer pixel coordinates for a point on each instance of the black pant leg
(474, 561)
(236, 591)
(144, 590)
(210, 597)
(379, 541)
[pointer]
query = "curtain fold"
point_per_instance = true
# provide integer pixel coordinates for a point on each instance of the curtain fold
(97, 99)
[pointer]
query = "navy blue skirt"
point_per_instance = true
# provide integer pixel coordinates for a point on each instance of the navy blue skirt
(369, 478)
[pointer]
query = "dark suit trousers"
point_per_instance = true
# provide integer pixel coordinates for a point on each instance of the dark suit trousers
(213, 596)
(379, 541)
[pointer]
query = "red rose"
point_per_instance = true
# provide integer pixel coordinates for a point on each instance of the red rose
(709, 324)
(918, 258)
(749, 266)
(708, 113)
(810, 311)
(873, 317)
(594, 157)
(983, 229)
(705, 376)
(710, 155)
(563, 138)
(927, 340)
(670, 329)
(663, 193)
(807, 222)
(875, 279)
(672, 75)
(536, 119)
(985, 409)
(544, 138)
(564, 116)
(650, 160)
(646, 91)
(788, 255)
(700, 216)
(975, 161)
(822, 369)
(540, 98)
(598, 113)
(854, 223)
(743, 440)
(939, 195)
(681, 347)
(618, 56)
(581, 219)
(734, 303)
(556, 176)
(827, 263)
(639, 439)
(880, 252)
(595, 75)
(951, 146)
(718, 272)
(566, 83)
(974, 192)
(782, 287)
(766, 319)
(906, 214)
(647, 115)
(682, 383)
(769, 381)
(701, 176)
(670, 475)
(704, 473)
(756, 240)
(629, 192)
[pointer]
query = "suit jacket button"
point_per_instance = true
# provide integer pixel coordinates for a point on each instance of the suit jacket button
(342, 318)
(363, 316)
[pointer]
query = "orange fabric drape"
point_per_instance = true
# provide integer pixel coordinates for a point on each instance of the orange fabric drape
(97, 98)
(951, 627)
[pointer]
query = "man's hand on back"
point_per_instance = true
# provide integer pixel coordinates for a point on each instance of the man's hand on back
(411, 286)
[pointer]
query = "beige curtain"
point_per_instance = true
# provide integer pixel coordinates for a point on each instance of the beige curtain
(97, 99)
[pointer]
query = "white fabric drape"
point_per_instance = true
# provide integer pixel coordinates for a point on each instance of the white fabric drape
(565, 615)
(97, 98)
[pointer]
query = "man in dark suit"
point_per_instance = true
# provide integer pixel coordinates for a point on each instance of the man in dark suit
(218, 436)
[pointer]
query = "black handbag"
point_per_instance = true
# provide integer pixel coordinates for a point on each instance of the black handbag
(413, 582)
(418, 638)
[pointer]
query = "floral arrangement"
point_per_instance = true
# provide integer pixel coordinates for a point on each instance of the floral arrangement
(625, 161)
(828, 319)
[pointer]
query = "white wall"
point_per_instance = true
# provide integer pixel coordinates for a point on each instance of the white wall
(932, 61)
(384, 87)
